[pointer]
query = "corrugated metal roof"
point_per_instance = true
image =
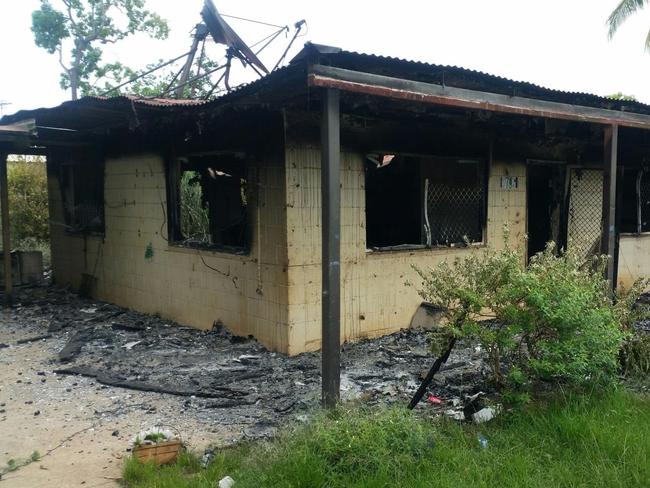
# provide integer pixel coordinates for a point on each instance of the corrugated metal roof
(328, 55)
(158, 102)
(460, 77)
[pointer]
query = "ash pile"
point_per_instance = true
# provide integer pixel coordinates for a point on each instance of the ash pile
(231, 379)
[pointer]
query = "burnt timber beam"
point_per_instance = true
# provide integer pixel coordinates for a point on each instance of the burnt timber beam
(610, 162)
(331, 247)
(6, 236)
(397, 88)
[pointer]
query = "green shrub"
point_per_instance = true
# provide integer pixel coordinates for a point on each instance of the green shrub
(567, 318)
(553, 319)
(635, 355)
(470, 290)
(28, 201)
(195, 220)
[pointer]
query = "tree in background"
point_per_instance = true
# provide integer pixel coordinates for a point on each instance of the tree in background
(28, 204)
(28, 210)
(622, 12)
(78, 28)
(622, 97)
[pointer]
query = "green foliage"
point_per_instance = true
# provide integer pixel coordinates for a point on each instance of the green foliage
(567, 318)
(154, 84)
(195, 220)
(598, 441)
(77, 28)
(623, 11)
(553, 319)
(155, 437)
(473, 289)
(28, 208)
(622, 97)
(28, 205)
(635, 355)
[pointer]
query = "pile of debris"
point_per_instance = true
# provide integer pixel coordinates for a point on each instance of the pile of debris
(233, 379)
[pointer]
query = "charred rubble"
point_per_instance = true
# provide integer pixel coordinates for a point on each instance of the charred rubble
(229, 378)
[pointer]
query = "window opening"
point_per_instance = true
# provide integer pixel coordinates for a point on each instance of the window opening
(417, 202)
(82, 189)
(212, 204)
(635, 204)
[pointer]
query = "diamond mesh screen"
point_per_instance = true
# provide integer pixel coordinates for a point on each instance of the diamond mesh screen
(585, 210)
(455, 212)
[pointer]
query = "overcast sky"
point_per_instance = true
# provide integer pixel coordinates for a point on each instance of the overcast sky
(559, 44)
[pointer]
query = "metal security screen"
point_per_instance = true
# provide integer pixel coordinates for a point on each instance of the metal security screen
(585, 210)
(454, 204)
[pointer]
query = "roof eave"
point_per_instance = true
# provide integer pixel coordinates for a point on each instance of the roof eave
(401, 89)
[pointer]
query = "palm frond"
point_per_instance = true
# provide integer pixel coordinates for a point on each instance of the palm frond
(621, 13)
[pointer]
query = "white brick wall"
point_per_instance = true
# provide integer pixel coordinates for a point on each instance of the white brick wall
(175, 283)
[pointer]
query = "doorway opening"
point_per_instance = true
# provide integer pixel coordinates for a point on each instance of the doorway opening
(545, 196)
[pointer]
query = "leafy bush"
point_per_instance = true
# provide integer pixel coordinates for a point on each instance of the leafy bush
(635, 355)
(473, 289)
(28, 205)
(553, 320)
(195, 220)
(567, 318)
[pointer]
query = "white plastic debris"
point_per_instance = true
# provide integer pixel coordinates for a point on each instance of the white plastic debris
(482, 441)
(455, 414)
(484, 415)
(129, 345)
(88, 310)
(226, 482)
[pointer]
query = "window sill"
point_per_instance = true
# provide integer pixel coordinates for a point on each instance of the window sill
(212, 250)
(421, 249)
(634, 234)
(82, 233)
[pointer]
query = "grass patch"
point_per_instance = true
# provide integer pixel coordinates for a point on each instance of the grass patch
(571, 442)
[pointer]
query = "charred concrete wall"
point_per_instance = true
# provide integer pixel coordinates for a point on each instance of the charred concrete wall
(633, 259)
(274, 292)
(136, 267)
(374, 298)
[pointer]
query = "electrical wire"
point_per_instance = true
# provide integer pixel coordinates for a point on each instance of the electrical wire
(251, 20)
(145, 74)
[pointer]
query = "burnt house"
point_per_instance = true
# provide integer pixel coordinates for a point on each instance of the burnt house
(212, 211)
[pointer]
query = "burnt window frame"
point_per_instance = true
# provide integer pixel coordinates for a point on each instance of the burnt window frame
(68, 180)
(641, 209)
(174, 172)
(421, 175)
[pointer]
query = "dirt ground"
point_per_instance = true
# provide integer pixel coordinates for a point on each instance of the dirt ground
(80, 428)
(100, 374)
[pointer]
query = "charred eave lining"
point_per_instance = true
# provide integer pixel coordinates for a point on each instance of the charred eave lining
(397, 88)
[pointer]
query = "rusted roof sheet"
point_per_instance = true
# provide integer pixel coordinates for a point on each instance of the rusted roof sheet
(457, 77)
(89, 112)
(158, 102)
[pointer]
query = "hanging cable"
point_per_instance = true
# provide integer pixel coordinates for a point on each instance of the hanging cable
(144, 74)
(192, 80)
(298, 27)
(251, 20)
(271, 40)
